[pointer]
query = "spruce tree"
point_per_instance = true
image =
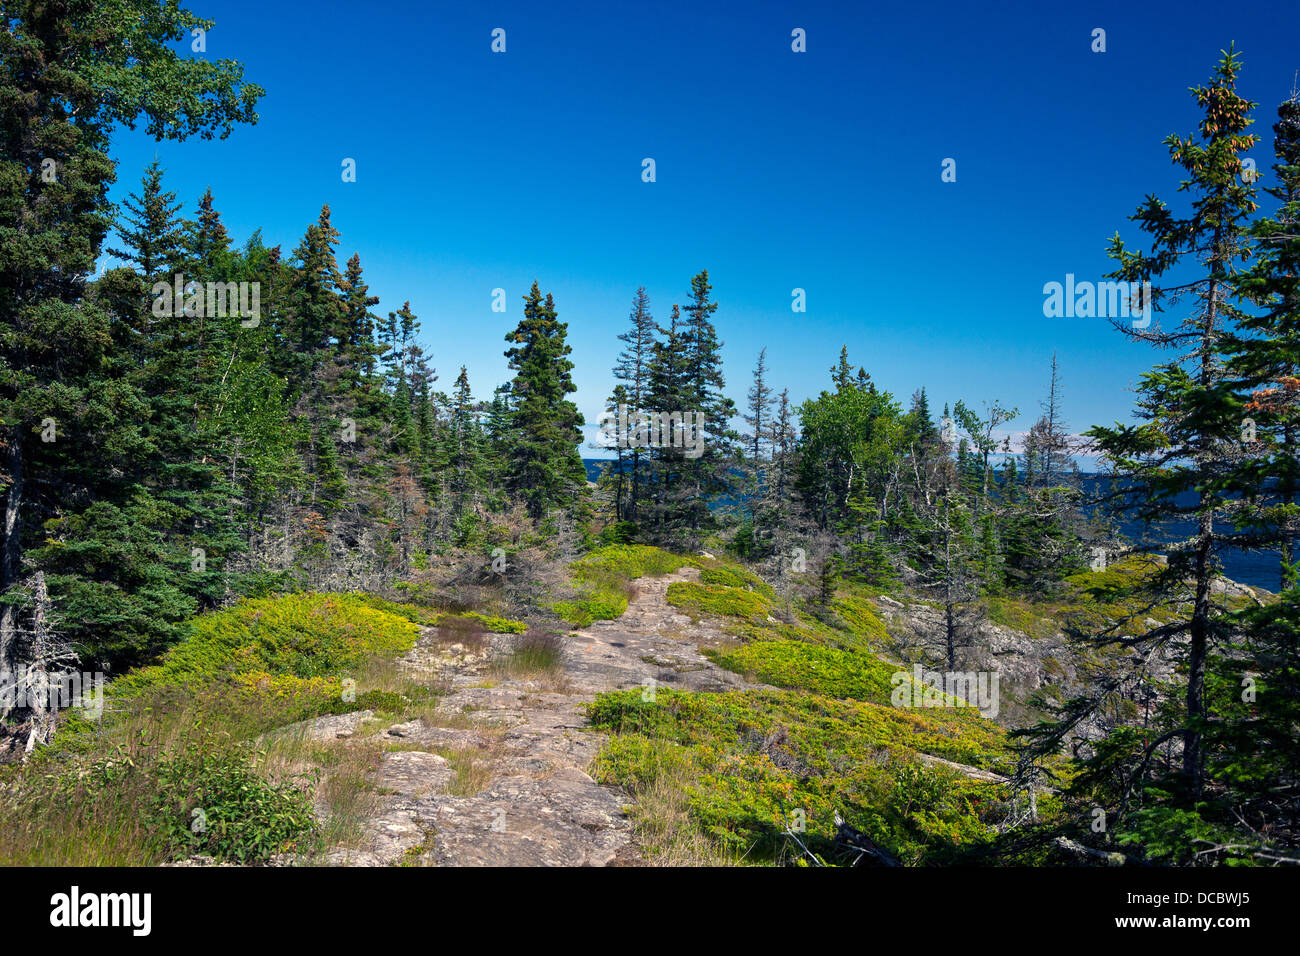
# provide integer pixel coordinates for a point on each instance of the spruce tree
(1263, 360)
(153, 233)
(206, 239)
(667, 394)
(464, 456)
(757, 417)
(58, 354)
(544, 468)
(708, 474)
(1176, 461)
(633, 371)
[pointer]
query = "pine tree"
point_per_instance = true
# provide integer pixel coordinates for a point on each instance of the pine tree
(709, 473)
(842, 371)
(1038, 523)
(1263, 359)
(784, 449)
(1189, 418)
(633, 371)
(153, 234)
(1252, 753)
(500, 412)
(358, 352)
(615, 482)
(667, 394)
(422, 419)
(398, 339)
(757, 418)
(920, 421)
(316, 312)
(206, 239)
(544, 467)
(465, 445)
(60, 358)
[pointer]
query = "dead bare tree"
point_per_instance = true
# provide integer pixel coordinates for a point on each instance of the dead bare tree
(38, 666)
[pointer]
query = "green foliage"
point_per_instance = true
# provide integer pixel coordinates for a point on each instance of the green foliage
(826, 671)
(618, 532)
(1181, 459)
(627, 561)
(734, 576)
(860, 615)
(211, 801)
(756, 757)
(718, 600)
(497, 625)
(307, 641)
(535, 652)
(603, 577)
(544, 466)
(142, 803)
(584, 611)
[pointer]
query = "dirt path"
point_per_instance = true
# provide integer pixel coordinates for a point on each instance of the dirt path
(524, 742)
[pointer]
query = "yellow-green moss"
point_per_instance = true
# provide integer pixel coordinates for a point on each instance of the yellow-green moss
(734, 576)
(603, 578)
(719, 600)
(298, 635)
(828, 671)
(760, 760)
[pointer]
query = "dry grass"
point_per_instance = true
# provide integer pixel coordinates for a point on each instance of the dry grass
(473, 771)
(343, 772)
(87, 831)
(534, 654)
(662, 820)
(52, 815)
(94, 808)
(464, 631)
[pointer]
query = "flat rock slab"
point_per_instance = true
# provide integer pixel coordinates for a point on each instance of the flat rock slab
(539, 807)
(322, 729)
(413, 773)
(564, 819)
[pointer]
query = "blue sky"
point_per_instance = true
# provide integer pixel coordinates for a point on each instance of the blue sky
(775, 170)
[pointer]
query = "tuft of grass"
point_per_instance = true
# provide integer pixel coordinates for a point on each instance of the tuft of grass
(184, 791)
(191, 733)
(473, 771)
(535, 652)
(660, 779)
(464, 630)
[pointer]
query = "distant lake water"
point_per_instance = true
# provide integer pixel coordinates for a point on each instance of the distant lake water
(1259, 568)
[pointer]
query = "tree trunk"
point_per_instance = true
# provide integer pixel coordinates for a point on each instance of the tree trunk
(1199, 644)
(40, 701)
(1200, 623)
(10, 549)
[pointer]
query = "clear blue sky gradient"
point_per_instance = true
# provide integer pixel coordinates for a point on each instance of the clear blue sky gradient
(775, 170)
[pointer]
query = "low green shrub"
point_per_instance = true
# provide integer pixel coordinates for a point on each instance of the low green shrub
(213, 802)
(300, 636)
(719, 600)
(603, 581)
(802, 666)
(734, 576)
(757, 761)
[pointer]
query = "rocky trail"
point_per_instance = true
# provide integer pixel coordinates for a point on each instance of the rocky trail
(525, 798)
